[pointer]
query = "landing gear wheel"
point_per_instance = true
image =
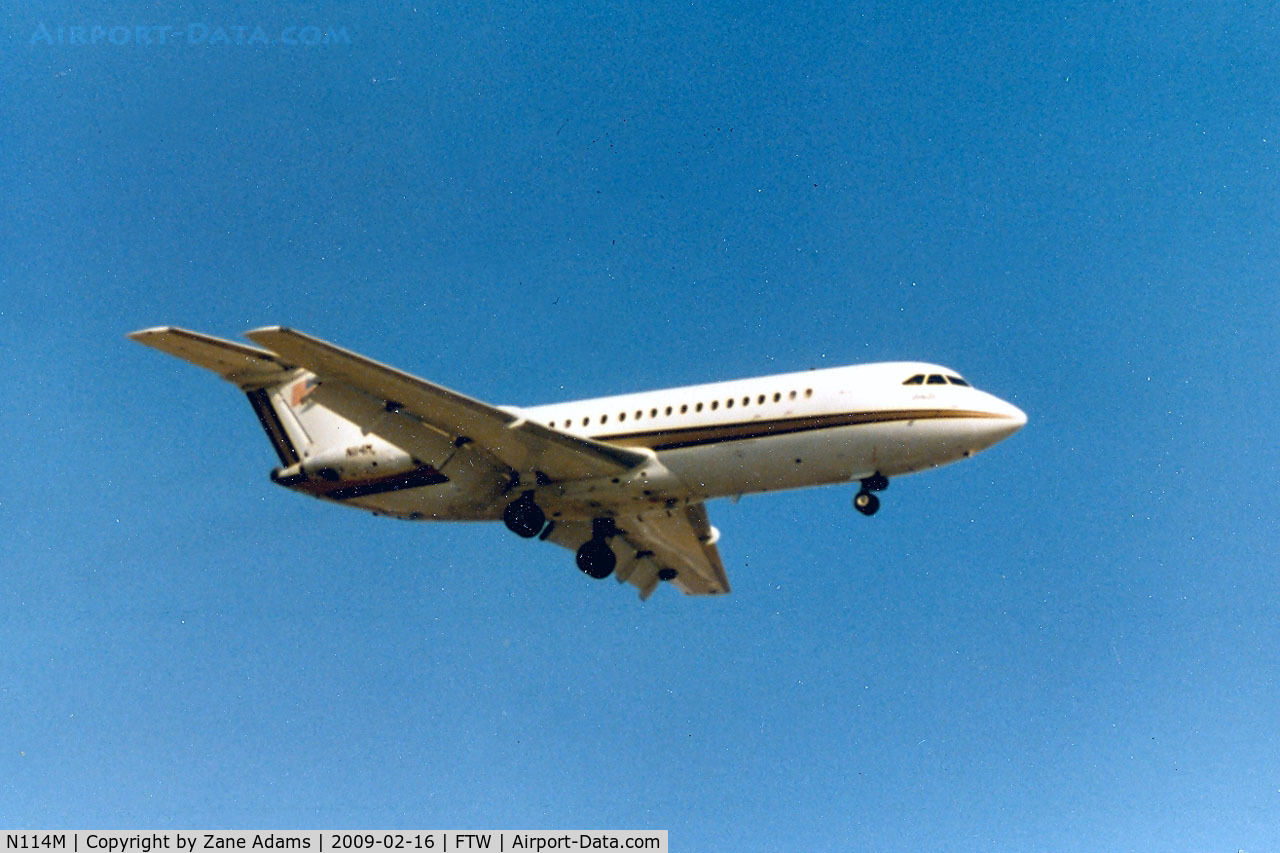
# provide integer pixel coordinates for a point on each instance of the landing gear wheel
(523, 517)
(596, 559)
(866, 503)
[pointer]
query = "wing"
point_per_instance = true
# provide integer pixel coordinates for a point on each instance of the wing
(656, 543)
(517, 443)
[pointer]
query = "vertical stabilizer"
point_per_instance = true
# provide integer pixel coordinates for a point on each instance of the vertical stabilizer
(298, 426)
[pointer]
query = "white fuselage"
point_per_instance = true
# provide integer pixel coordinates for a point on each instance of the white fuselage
(796, 429)
(751, 435)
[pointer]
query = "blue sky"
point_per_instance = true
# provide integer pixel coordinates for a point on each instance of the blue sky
(1067, 643)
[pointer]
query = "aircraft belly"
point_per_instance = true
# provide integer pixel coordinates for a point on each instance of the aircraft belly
(910, 446)
(764, 464)
(824, 457)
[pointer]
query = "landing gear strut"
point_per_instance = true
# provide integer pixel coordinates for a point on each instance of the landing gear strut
(595, 558)
(524, 517)
(865, 502)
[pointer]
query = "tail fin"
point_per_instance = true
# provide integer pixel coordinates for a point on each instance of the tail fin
(278, 391)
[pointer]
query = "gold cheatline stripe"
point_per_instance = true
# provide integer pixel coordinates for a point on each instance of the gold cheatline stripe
(668, 439)
(671, 439)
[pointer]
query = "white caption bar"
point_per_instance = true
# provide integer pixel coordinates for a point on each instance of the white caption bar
(335, 841)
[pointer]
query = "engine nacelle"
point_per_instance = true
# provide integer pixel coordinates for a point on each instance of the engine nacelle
(357, 462)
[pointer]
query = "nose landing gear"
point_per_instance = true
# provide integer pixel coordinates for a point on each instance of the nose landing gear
(864, 501)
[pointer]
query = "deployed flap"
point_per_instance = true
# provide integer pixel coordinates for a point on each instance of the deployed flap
(248, 367)
(678, 540)
(522, 445)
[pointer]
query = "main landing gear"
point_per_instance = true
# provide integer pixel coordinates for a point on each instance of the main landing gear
(595, 558)
(523, 517)
(864, 501)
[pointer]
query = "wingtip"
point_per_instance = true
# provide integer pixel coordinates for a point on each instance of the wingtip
(265, 330)
(265, 335)
(143, 334)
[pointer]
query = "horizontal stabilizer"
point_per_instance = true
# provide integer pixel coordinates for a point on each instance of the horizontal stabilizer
(246, 366)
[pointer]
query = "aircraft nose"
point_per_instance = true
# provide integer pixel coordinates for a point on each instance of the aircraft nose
(1019, 417)
(1011, 420)
(998, 419)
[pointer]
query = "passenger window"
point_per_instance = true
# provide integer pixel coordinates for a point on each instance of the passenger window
(668, 411)
(792, 395)
(808, 392)
(746, 401)
(653, 413)
(604, 419)
(935, 379)
(918, 379)
(698, 408)
(715, 404)
(777, 398)
(956, 380)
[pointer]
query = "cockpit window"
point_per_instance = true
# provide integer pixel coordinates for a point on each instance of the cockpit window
(918, 379)
(956, 380)
(935, 379)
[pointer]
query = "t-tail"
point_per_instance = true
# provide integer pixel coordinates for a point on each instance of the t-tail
(321, 452)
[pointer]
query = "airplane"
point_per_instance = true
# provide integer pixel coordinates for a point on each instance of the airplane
(622, 481)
